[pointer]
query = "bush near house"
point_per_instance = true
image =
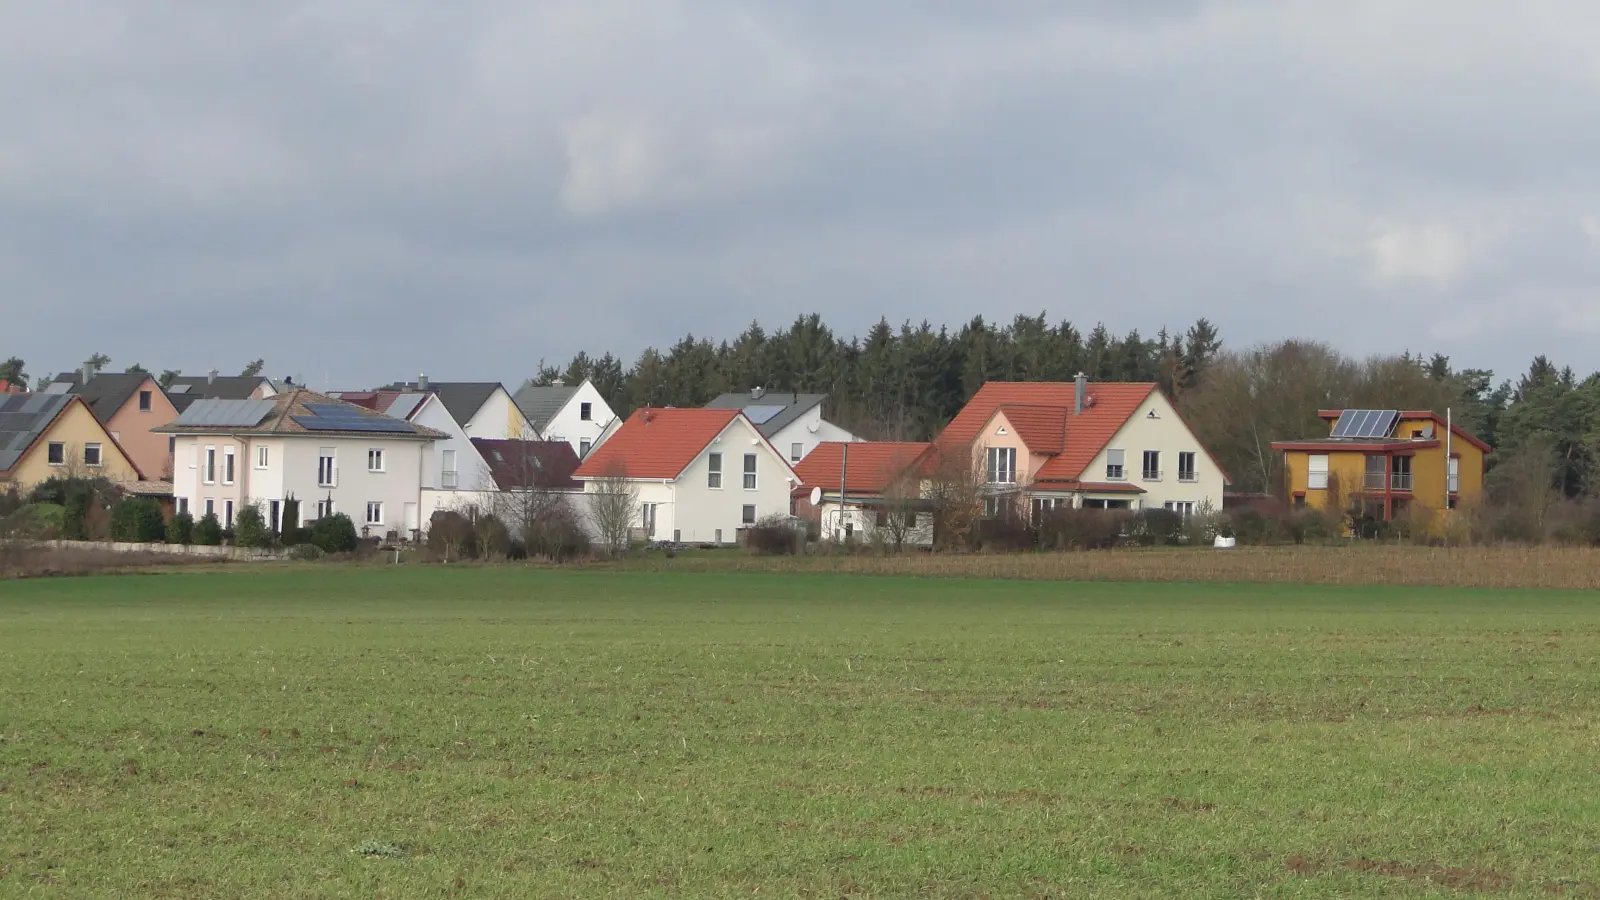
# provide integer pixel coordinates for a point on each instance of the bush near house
(208, 531)
(38, 522)
(181, 529)
(250, 527)
(775, 535)
(334, 534)
(137, 520)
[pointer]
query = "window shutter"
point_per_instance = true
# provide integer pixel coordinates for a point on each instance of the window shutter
(1114, 457)
(1317, 473)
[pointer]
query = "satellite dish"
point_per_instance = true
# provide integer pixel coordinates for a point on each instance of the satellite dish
(816, 496)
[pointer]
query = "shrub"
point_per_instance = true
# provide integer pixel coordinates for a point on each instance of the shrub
(10, 501)
(334, 534)
(38, 522)
(1067, 528)
(450, 536)
(1158, 526)
(493, 538)
(208, 531)
(556, 536)
(292, 532)
(250, 527)
(137, 520)
(775, 535)
(181, 529)
(304, 553)
(1007, 531)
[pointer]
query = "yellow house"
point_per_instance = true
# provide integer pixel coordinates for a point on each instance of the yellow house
(1386, 463)
(42, 435)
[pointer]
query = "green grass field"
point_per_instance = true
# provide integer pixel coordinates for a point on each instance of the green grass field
(515, 733)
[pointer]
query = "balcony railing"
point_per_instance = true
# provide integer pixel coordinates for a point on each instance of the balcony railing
(1375, 481)
(1400, 481)
(447, 478)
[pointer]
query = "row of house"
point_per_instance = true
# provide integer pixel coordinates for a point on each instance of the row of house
(392, 457)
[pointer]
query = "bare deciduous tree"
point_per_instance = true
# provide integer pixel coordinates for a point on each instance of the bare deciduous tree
(536, 514)
(955, 491)
(614, 509)
(902, 504)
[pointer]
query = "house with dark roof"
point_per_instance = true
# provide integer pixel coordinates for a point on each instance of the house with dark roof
(129, 406)
(328, 455)
(483, 409)
(1039, 445)
(860, 489)
(577, 414)
(792, 421)
(186, 389)
(46, 435)
(700, 475)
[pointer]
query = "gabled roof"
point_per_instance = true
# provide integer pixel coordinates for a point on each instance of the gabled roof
(1042, 428)
(23, 419)
(541, 402)
(1108, 407)
(106, 392)
(658, 444)
(399, 404)
(277, 415)
(870, 468)
(770, 413)
(223, 387)
(521, 465)
(462, 399)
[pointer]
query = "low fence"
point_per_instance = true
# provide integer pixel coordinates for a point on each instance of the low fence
(236, 553)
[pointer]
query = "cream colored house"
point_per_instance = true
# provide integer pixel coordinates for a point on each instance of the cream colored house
(46, 435)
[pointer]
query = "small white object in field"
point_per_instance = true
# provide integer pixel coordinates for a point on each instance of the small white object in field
(1224, 543)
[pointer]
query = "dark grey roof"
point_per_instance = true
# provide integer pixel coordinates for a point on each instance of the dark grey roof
(788, 407)
(105, 393)
(462, 399)
(540, 402)
(225, 387)
(23, 417)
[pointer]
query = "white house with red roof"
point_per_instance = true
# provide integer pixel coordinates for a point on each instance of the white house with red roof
(864, 488)
(1112, 445)
(701, 474)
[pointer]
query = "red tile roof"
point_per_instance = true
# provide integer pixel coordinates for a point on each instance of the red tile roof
(872, 466)
(657, 443)
(1042, 428)
(1108, 407)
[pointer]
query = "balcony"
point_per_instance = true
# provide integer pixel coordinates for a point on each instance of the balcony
(1374, 481)
(447, 478)
(1400, 481)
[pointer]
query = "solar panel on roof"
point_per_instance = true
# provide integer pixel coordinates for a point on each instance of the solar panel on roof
(361, 423)
(761, 415)
(1382, 422)
(1341, 428)
(178, 389)
(58, 387)
(404, 405)
(225, 413)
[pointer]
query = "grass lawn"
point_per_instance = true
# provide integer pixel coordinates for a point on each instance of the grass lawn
(513, 733)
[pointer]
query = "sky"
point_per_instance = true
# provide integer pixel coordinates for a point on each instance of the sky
(360, 191)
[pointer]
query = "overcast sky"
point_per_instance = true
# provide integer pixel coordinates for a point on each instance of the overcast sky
(361, 190)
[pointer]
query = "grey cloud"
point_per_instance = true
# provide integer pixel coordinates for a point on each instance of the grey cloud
(368, 189)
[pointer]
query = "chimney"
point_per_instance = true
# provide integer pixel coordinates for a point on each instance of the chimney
(558, 381)
(1082, 389)
(422, 382)
(211, 377)
(756, 393)
(88, 371)
(288, 380)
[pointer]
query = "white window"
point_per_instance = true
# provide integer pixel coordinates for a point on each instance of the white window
(447, 472)
(1002, 465)
(1453, 475)
(327, 471)
(374, 513)
(1114, 469)
(227, 465)
(209, 476)
(1317, 472)
(91, 455)
(1151, 470)
(748, 516)
(324, 508)
(991, 507)
(57, 453)
(227, 514)
(749, 471)
(211, 507)
(144, 401)
(374, 460)
(647, 516)
(586, 411)
(1184, 508)
(796, 451)
(714, 471)
(263, 456)
(583, 447)
(1186, 467)
(719, 536)
(1042, 506)
(183, 505)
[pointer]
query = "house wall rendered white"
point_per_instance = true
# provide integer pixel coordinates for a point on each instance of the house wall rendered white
(472, 474)
(569, 425)
(808, 431)
(499, 419)
(292, 469)
(864, 524)
(1167, 434)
